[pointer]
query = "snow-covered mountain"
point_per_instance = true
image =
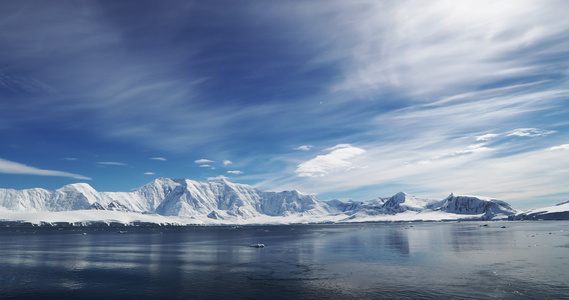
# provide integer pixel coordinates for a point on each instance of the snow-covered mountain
(474, 205)
(70, 197)
(402, 202)
(351, 207)
(452, 207)
(224, 202)
(223, 199)
(398, 203)
(169, 197)
(556, 212)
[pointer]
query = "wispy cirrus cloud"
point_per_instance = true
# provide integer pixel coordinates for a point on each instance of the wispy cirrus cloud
(203, 161)
(560, 147)
(521, 132)
(470, 149)
(159, 158)
(530, 132)
(220, 177)
(486, 137)
(110, 163)
(430, 95)
(437, 170)
(443, 47)
(236, 172)
(304, 147)
(337, 160)
(10, 167)
(22, 85)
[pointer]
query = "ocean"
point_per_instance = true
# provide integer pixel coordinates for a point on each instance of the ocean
(438, 260)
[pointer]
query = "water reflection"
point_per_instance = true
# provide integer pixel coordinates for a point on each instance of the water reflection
(299, 262)
(398, 241)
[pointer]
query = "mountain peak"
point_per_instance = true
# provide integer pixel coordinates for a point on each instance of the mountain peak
(462, 204)
(77, 186)
(401, 202)
(223, 180)
(223, 200)
(80, 189)
(401, 194)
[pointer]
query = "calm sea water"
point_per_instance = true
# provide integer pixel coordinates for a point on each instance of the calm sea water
(524, 260)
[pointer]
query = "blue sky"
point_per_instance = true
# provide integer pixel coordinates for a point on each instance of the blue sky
(343, 99)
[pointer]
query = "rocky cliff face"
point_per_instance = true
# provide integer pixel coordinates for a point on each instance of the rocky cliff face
(473, 205)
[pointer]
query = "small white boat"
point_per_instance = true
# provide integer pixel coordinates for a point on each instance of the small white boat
(258, 245)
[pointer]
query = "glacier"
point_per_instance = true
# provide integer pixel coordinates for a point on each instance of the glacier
(558, 211)
(185, 201)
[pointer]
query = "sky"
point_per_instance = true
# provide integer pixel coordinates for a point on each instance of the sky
(340, 99)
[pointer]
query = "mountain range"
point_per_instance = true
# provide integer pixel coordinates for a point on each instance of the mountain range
(224, 202)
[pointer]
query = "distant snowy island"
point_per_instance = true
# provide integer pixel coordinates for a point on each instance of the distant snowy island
(168, 201)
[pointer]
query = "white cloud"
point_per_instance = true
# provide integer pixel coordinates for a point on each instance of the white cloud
(442, 46)
(530, 132)
(468, 150)
(487, 93)
(24, 85)
(111, 163)
(206, 166)
(452, 57)
(217, 178)
(227, 162)
(560, 147)
(335, 161)
(70, 159)
(159, 158)
(203, 161)
(237, 172)
(304, 147)
(486, 137)
(10, 167)
(149, 173)
(477, 171)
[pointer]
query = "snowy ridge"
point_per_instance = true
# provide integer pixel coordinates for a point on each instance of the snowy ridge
(402, 202)
(223, 199)
(223, 202)
(558, 211)
(403, 206)
(398, 203)
(474, 205)
(70, 197)
(170, 197)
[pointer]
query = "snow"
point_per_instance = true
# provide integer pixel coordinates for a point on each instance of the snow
(460, 204)
(89, 216)
(561, 207)
(402, 202)
(556, 212)
(187, 202)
